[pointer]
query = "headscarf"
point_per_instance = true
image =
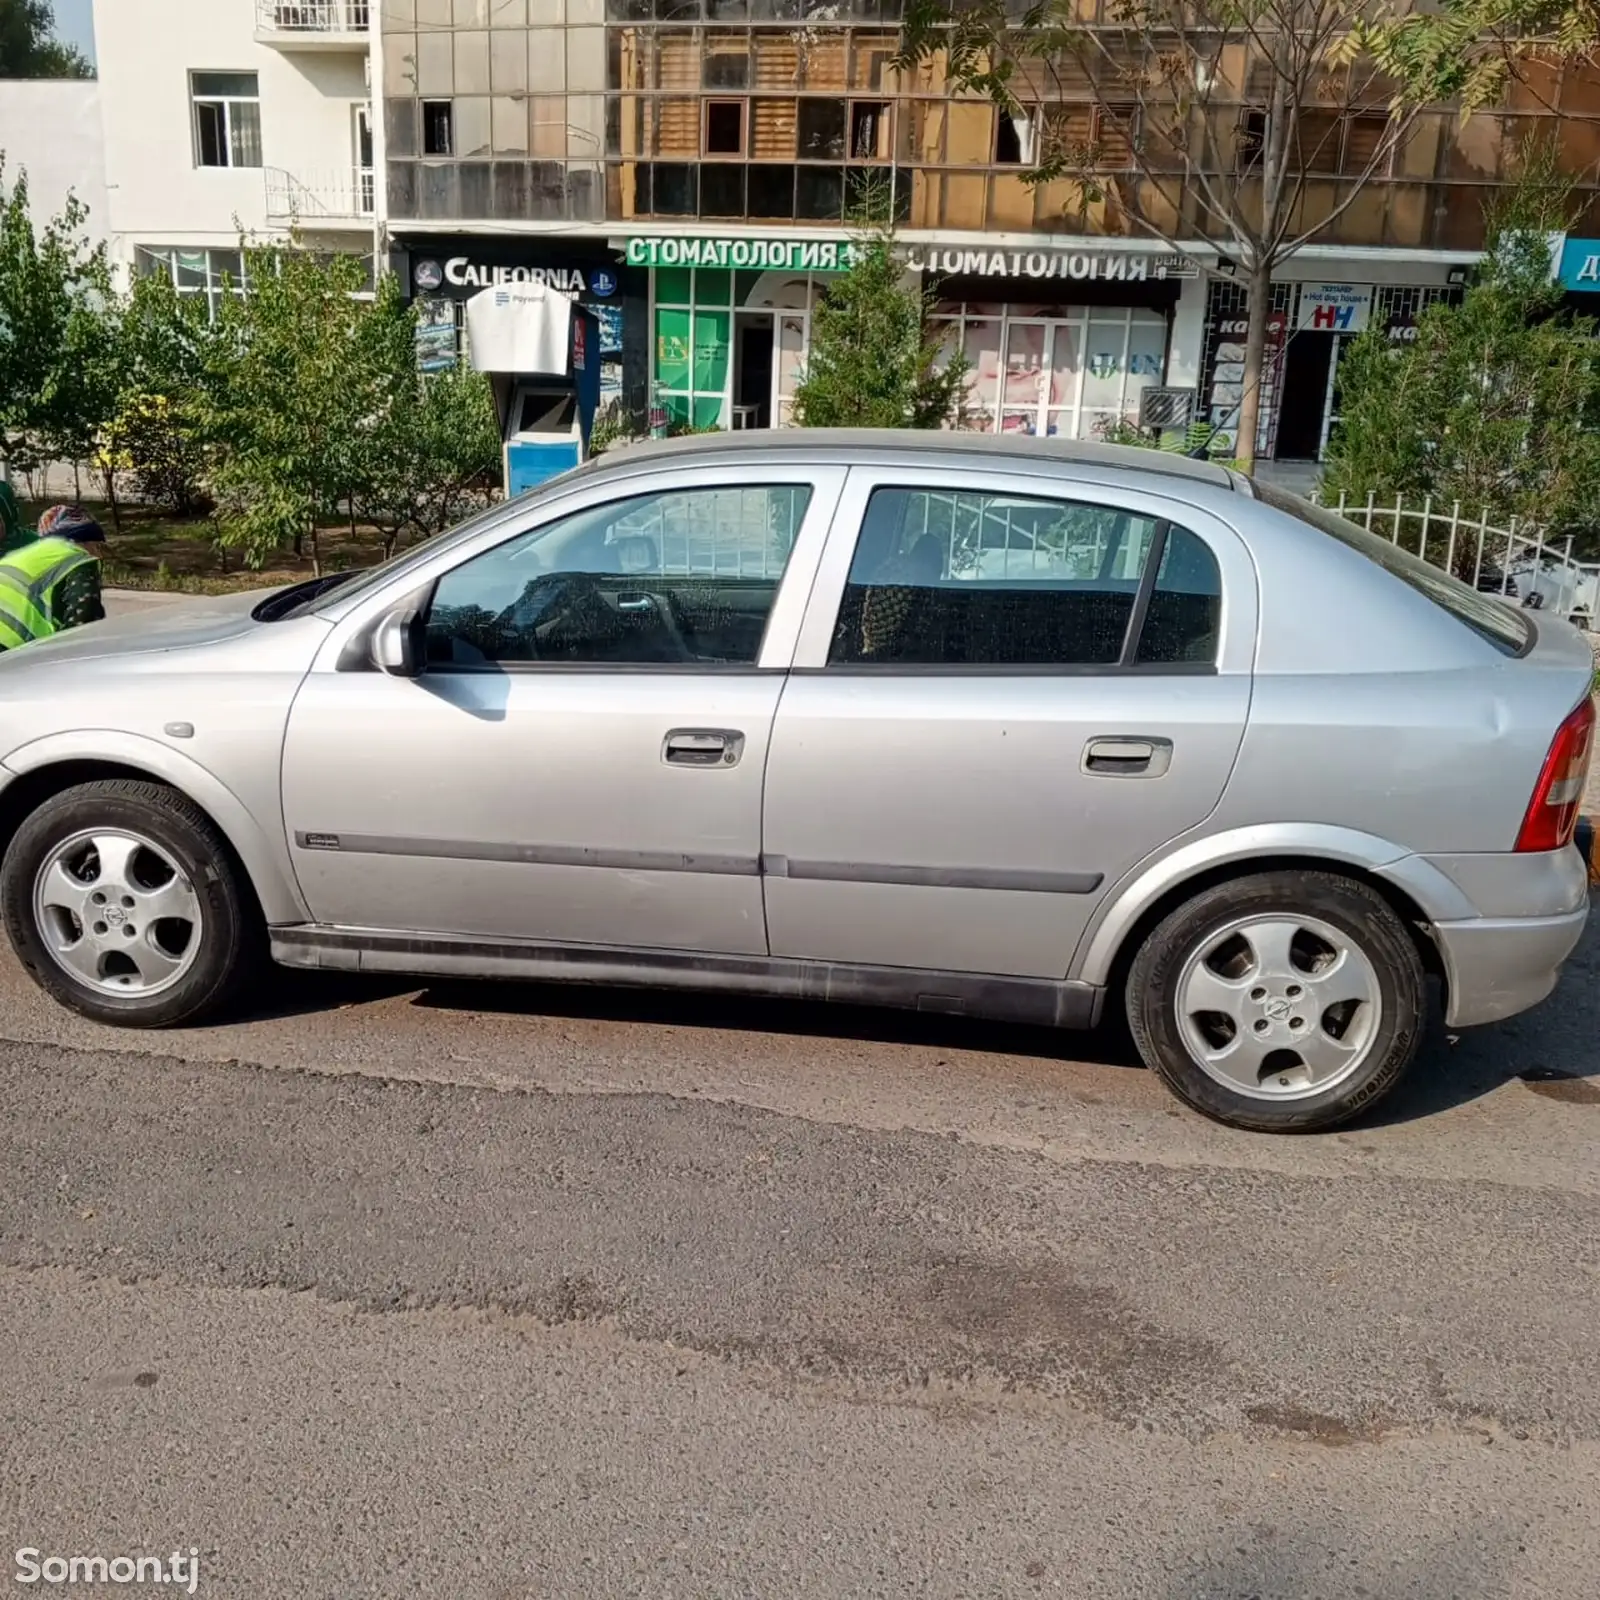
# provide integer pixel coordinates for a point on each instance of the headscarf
(70, 522)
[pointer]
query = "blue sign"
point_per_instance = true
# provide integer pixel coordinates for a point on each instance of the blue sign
(603, 283)
(1580, 265)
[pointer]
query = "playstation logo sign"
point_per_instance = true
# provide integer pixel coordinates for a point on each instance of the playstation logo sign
(602, 282)
(428, 276)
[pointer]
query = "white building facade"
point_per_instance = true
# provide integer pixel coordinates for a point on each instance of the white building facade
(50, 129)
(224, 118)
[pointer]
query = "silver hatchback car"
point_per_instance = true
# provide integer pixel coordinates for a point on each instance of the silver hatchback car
(1016, 731)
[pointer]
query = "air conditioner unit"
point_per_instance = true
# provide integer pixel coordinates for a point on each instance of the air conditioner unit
(1162, 409)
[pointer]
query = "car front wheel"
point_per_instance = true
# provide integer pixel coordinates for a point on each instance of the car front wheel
(122, 900)
(1283, 1002)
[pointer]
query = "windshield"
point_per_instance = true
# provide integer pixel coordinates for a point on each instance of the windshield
(1503, 626)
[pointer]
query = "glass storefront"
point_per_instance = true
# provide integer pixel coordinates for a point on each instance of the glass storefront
(729, 347)
(1067, 370)
(729, 344)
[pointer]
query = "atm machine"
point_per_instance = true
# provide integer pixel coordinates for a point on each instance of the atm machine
(541, 352)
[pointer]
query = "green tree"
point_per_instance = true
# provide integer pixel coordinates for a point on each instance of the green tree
(872, 362)
(302, 373)
(58, 343)
(1496, 404)
(1466, 51)
(158, 433)
(434, 456)
(29, 47)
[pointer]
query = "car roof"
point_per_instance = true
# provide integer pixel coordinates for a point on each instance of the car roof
(918, 444)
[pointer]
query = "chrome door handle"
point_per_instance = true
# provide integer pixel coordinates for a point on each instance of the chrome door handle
(1127, 757)
(702, 747)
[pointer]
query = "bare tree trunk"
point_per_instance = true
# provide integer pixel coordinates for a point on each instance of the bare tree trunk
(1255, 350)
(110, 477)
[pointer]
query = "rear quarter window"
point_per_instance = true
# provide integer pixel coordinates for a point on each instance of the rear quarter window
(1502, 626)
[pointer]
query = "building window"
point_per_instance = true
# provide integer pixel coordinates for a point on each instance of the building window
(438, 128)
(725, 127)
(822, 130)
(365, 175)
(1251, 140)
(197, 274)
(869, 130)
(227, 119)
(1013, 139)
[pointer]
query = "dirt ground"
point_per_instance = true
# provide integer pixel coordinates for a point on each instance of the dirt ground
(151, 551)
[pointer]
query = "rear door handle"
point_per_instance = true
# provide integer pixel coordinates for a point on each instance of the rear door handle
(1127, 756)
(702, 747)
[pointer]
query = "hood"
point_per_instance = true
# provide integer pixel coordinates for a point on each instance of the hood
(178, 625)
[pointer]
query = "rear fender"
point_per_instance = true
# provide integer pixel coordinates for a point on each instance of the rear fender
(1439, 898)
(265, 858)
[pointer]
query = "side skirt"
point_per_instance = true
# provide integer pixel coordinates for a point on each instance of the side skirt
(1037, 1001)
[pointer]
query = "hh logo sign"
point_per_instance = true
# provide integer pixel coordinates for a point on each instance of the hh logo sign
(1336, 319)
(1334, 307)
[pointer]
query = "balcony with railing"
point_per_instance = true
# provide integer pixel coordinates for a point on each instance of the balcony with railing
(342, 197)
(314, 24)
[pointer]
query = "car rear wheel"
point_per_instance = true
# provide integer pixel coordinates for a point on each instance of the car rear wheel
(122, 900)
(1283, 1002)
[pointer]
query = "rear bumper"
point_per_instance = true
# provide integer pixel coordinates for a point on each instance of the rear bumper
(1498, 966)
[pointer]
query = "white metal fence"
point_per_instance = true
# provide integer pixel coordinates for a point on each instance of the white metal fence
(1517, 561)
(340, 194)
(313, 16)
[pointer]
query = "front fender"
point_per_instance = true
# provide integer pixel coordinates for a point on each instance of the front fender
(264, 858)
(1127, 901)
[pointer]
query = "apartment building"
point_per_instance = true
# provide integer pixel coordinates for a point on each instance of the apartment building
(223, 117)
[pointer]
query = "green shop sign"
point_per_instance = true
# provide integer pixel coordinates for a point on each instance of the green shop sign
(768, 255)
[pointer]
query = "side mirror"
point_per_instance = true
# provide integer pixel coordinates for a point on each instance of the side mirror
(397, 644)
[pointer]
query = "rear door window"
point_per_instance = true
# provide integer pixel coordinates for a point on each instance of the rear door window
(1506, 628)
(955, 579)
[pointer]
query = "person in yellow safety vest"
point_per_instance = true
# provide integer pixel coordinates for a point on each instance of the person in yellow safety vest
(54, 582)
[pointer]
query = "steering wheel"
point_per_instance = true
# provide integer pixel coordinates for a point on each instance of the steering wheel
(580, 610)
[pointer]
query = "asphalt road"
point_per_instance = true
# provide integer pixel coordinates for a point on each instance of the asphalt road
(526, 1292)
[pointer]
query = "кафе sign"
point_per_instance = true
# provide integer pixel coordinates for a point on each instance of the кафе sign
(838, 255)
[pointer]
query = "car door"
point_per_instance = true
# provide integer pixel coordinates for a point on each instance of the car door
(580, 757)
(1008, 689)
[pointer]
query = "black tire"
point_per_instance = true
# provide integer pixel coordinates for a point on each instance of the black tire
(230, 921)
(1353, 909)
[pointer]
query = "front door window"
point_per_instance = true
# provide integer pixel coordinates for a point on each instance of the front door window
(687, 577)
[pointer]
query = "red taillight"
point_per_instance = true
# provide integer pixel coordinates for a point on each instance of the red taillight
(1553, 811)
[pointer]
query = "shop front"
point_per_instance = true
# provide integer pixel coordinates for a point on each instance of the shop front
(1059, 341)
(443, 273)
(731, 324)
(1309, 327)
